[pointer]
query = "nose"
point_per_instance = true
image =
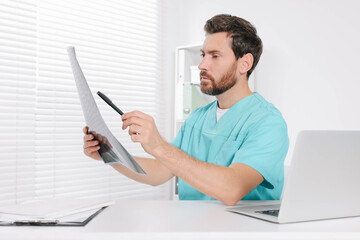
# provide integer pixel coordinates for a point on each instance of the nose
(203, 66)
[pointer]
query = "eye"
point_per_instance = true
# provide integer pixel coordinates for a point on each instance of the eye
(202, 55)
(215, 56)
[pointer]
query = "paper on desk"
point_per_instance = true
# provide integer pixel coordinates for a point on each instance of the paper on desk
(78, 217)
(111, 151)
(70, 209)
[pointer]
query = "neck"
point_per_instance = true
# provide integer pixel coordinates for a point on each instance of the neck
(239, 91)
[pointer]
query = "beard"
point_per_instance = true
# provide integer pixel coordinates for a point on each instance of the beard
(226, 82)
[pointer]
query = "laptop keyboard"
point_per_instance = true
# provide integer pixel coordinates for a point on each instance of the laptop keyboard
(274, 213)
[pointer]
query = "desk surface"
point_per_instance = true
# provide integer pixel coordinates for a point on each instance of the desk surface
(182, 216)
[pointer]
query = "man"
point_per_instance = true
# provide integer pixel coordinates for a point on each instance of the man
(232, 149)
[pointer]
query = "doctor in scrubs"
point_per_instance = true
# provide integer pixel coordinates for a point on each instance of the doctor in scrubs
(232, 149)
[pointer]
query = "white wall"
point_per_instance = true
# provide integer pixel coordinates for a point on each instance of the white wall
(309, 69)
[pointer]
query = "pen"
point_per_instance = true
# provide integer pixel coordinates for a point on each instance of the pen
(108, 101)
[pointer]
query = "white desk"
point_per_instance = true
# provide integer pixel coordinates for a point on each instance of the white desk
(166, 216)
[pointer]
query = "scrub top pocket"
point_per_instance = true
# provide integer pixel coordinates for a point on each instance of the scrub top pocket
(227, 152)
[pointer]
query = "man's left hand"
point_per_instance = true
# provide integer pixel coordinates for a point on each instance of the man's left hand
(142, 129)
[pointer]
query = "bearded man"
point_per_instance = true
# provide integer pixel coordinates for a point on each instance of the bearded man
(232, 149)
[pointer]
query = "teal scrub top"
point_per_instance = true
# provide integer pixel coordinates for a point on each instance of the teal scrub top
(252, 132)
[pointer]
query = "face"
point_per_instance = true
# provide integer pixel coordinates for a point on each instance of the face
(219, 65)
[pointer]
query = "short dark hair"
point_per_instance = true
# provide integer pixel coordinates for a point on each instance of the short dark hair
(243, 33)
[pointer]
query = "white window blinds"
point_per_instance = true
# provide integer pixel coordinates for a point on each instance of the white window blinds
(118, 47)
(17, 100)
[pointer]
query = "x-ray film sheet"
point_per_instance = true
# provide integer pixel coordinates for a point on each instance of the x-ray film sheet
(111, 151)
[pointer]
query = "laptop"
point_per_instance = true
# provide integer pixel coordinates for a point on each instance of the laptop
(322, 183)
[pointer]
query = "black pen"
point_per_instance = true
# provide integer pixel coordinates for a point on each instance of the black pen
(108, 101)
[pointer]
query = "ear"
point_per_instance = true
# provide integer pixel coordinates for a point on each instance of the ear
(245, 63)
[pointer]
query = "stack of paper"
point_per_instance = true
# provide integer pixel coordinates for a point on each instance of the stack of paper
(59, 212)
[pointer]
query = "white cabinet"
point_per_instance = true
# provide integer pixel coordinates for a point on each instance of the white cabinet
(188, 96)
(187, 77)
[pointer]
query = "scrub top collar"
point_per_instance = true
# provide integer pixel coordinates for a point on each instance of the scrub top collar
(242, 105)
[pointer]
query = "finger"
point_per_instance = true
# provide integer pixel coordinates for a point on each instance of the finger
(135, 129)
(135, 114)
(90, 150)
(90, 144)
(133, 121)
(136, 138)
(85, 129)
(88, 137)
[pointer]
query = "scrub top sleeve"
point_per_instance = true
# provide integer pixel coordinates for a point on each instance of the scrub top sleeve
(265, 149)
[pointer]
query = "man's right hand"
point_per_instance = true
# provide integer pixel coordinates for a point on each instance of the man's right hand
(91, 146)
